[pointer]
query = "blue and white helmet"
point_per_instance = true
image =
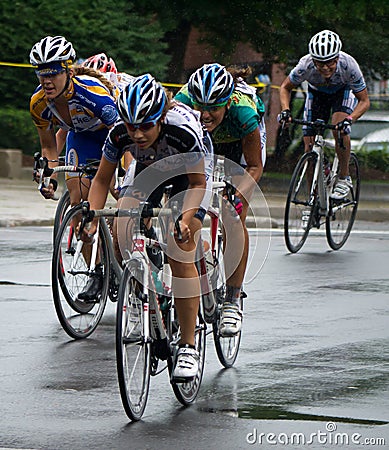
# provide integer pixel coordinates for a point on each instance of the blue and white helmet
(212, 84)
(142, 100)
(325, 45)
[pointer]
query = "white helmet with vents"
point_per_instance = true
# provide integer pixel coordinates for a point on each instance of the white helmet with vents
(325, 45)
(52, 49)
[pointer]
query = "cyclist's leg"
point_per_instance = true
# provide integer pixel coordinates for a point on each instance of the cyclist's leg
(81, 147)
(317, 106)
(344, 103)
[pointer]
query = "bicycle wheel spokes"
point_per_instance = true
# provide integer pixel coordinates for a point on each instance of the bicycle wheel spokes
(300, 203)
(132, 349)
(70, 273)
(342, 212)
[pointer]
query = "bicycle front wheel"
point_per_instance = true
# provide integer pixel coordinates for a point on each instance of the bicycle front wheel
(132, 348)
(70, 274)
(60, 212)
(300, 201)
(342, 212)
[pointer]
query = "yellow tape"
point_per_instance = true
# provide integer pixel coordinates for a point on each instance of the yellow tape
(14, 64)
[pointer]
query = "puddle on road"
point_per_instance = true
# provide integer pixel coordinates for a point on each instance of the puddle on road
(380, 286)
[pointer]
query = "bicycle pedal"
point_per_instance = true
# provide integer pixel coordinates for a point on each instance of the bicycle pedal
(181, 380)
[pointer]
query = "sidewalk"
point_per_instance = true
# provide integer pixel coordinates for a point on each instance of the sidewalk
(22, 205)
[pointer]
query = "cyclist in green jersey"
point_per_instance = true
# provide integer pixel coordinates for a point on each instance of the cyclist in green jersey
(232, 113)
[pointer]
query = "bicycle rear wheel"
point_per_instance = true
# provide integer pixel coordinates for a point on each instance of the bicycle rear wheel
(186, 393)
(132, 349)
(342, 212)
(300, 203)
(69, 275)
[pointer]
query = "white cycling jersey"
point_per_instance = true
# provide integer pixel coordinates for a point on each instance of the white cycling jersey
(347, 75)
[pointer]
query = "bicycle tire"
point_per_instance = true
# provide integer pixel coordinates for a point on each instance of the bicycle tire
(300, 203)
(342, 213)
(186, 393)
(69, 277)
(227, 348)
(132, 349)
(60, 212)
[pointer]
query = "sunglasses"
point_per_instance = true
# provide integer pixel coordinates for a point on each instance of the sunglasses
(329, 63)
(142, 126)
(209, 108)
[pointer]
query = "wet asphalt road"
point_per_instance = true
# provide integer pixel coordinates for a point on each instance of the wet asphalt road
(312, 370)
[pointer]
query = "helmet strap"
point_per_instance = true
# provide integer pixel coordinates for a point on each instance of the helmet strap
(66, 87)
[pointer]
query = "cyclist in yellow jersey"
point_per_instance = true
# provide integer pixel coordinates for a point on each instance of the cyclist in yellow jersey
(83, 106)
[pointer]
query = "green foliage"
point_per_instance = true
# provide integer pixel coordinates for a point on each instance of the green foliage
(18, 131)
(376, 159)
(133, 40)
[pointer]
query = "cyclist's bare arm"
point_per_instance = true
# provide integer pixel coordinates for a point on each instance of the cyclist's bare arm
(61, 140)
(362, 106)
(286, 87)
(99, 189)
(252, 152)
(49, 150)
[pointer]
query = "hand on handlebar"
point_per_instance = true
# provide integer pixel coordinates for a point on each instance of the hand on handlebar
(345, 125)
(284, 117)
(182, 232)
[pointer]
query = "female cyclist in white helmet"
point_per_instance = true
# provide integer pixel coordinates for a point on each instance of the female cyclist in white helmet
(336, 87)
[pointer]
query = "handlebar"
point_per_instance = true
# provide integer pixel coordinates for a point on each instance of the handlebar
(143, 211)
(318, 124)
(41, 167)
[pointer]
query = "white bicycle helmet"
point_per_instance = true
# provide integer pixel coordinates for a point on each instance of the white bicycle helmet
(52, 49)
(142, 100)
(325, 45)
(212, 84)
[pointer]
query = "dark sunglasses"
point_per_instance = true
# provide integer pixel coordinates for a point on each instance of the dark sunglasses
(142, 126)
(329, 63)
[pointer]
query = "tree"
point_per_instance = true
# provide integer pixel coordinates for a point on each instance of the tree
(133, 40)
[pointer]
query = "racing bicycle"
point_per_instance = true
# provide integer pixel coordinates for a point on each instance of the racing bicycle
(309, 203)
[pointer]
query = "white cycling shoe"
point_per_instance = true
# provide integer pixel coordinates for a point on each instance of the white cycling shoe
(187, 363)
(230, 320)
(342, 188)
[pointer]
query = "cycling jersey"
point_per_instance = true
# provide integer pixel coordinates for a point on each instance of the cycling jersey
(91, 107)
(347, 75)
(242, 118)
(181, 134)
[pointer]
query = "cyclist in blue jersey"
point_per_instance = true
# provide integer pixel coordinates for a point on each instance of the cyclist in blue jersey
(80, 104)
(169, 147)
(335, 86)
(233, 114)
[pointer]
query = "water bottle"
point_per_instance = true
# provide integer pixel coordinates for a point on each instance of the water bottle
(160, 291)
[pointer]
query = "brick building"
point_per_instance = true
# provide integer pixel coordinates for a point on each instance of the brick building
(197, 54)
